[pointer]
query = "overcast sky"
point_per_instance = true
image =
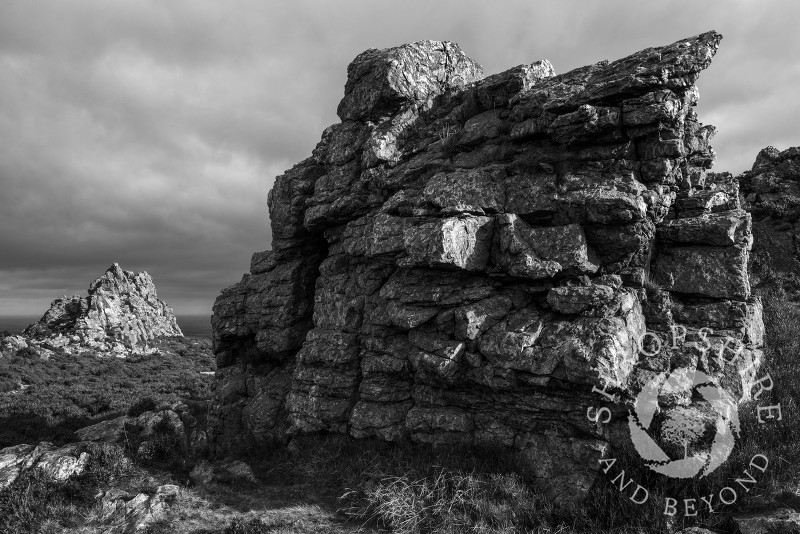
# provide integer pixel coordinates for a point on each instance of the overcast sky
(149, 132)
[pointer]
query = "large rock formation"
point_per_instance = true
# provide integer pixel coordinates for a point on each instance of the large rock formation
(462, 259)
(122, 314)
(771, 193)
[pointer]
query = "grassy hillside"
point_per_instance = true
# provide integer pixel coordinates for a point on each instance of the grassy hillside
(50, 399)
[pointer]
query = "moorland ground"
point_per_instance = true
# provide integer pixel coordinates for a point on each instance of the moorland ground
(337, 484)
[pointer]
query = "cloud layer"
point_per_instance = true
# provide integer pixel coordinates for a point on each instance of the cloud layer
(148, 132)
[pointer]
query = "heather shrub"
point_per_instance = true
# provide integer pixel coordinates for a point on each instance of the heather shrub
(147, 404)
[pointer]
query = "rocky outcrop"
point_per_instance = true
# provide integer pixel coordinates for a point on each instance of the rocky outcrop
(127, 513)
(138, 432)
(462, 259)
(57, 463)
(770, 191)
(122, 314)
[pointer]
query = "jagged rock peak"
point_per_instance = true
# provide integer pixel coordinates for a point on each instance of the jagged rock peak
(770, 159)
(122, 314)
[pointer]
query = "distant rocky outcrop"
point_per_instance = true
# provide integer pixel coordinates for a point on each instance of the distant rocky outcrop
(462, 259)
(771, 193)
(122, 314)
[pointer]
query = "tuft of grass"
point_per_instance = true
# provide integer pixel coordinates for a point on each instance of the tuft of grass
(251, 526)
(443, 499)
(411, 489)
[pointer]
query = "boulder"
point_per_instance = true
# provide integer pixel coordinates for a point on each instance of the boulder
(57, 463)
(127, 513)
(175, 420)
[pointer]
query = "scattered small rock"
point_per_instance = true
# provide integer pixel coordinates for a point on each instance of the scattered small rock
(782, 521)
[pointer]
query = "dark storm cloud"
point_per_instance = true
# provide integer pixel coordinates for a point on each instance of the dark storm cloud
(148, 132)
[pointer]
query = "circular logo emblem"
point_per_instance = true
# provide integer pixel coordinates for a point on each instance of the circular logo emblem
(683, 424)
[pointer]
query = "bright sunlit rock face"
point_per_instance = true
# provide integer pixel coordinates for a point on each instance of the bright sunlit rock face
(122, 314)
(461, 259)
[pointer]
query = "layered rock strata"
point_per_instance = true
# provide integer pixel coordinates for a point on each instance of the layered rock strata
(122, 314)
(462, 259)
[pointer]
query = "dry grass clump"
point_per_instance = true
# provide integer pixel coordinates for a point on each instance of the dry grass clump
(444, 500)
(411, 489)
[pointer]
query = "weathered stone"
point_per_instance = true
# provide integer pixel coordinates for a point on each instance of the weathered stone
(176, 419)
(723, 229)
(496, 90)
(477, 191)
(461, 261)
(57, 463)
(455, 242)
(474, 319)
(128, 514)
(110, 431)
(540, 253)
(380, 81)
(384, 420)
(202, 474)
(439, 425)
(719, 272)
(375, 235)
(771, 192)
(122, 315)
(575, 299)
(10, 345)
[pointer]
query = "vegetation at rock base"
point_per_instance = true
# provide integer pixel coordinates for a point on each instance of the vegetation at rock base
(34, 500)
(338, 484)
(50, 399)
(413, 490)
